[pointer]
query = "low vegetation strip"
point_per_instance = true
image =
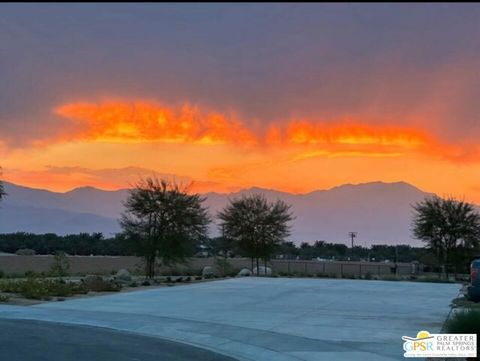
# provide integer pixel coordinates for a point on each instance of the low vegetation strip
(44, 289)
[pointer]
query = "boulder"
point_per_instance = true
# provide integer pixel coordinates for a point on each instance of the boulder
(262, 271)
(92, 279)
(208, 272)
(244, 272)
(123, 276)
(100, 284)
(93, 282)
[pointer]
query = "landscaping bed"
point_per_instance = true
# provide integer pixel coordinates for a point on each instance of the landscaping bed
(32, 290)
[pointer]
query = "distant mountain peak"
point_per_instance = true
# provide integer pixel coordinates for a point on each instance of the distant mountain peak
(379, 211)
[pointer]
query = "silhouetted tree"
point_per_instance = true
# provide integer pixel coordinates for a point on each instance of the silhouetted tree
(2, 188)
(162, 220)
(257, 225)
(449, 227)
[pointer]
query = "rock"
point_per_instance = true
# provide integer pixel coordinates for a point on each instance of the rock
(123, 276)
(244, 272)
(92, 279)
(208, 272)
(93, 282)
(99, 284)
(262, 271)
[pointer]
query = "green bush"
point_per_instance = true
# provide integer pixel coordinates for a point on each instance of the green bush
(41, 288)
(432, 279)
(4, 298)
(61, 265)
(101, 285)
(30, 274)
(467, 321)
(368, 276)
(25, 252)
(389, 278)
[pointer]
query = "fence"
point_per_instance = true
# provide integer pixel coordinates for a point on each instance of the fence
(342, 268)
(13, 264)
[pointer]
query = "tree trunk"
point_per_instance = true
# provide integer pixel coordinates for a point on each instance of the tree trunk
(150, 267)
(147, 267)
(152, 275)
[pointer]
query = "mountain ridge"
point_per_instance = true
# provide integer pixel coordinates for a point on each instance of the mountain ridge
(379, 211)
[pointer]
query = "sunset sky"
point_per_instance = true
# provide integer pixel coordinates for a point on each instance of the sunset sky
(282, 96)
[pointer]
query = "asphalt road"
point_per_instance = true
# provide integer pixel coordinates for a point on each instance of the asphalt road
(27, 340)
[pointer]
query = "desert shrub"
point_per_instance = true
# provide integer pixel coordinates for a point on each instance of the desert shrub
(467, 321)
(41, 288)
(463, 301)
(30, 274)
(232, 272)
(61, 265)
(368, 276)
(102, 285)
(224, 266)
(192, 272)
(433, 279)
(25, 252)
(174, 271)
(389, 278)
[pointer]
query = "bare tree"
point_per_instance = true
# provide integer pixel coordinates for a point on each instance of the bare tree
(2, 188)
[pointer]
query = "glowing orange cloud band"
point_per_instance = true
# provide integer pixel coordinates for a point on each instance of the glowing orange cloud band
(142, 121)
(145, 121)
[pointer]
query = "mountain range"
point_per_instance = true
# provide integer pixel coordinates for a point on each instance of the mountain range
(380, 212)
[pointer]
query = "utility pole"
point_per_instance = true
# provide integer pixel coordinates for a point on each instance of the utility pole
(396, 259)
(352, 235)
(224, 249)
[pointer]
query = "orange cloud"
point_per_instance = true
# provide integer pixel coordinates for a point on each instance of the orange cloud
(146, 121)
(140, 121)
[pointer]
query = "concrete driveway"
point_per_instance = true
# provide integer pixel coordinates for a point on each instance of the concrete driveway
(268, 318)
